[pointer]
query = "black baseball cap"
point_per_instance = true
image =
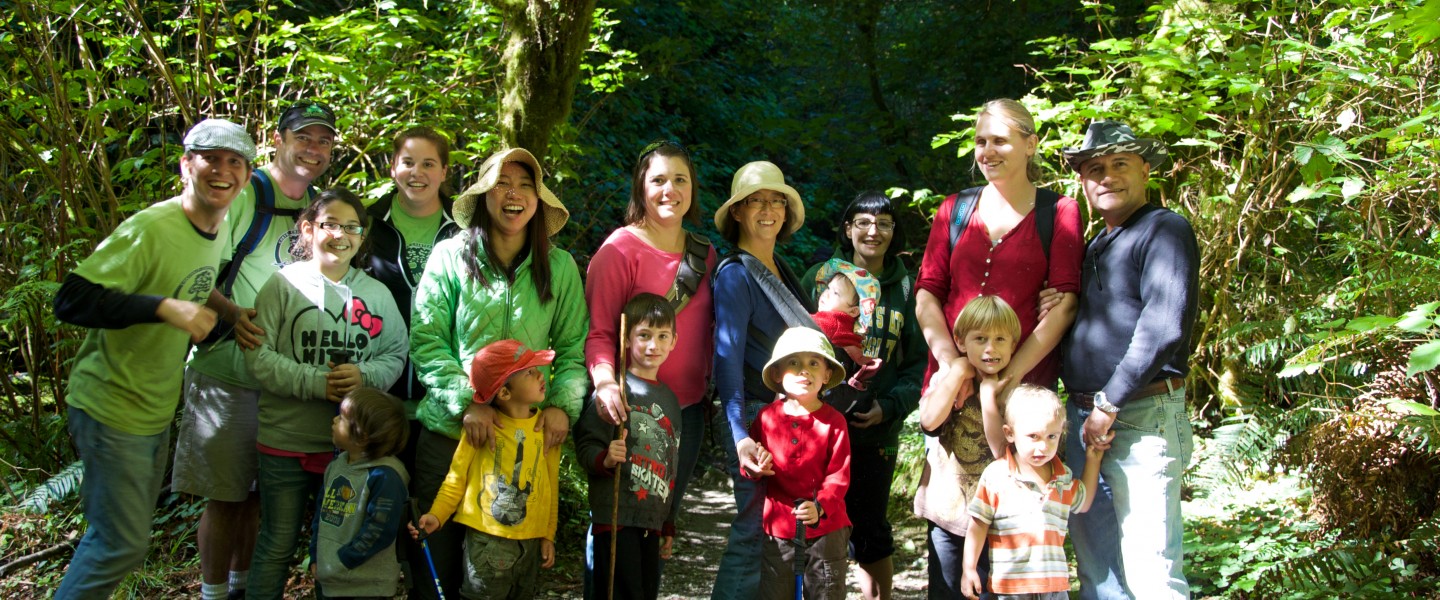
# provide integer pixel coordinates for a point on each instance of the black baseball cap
(305, 113)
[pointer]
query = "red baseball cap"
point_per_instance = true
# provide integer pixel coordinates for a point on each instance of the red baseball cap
(497, 361)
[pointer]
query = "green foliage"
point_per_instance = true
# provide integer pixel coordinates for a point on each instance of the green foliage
(61, 486)
(1255, 540)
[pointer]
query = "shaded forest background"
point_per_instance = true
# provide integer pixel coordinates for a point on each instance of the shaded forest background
(1306, 135)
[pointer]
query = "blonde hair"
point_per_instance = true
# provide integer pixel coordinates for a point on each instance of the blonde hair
(986, 313)
(1019, 119)
(1033, 399)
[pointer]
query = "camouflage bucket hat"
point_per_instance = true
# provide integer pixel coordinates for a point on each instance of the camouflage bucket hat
(1104, 138)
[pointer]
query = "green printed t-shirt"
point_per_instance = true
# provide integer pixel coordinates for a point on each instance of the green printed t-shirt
(129, 379)
(224, 360)
(419, 235)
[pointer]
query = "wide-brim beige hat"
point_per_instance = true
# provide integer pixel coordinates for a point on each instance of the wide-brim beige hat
(751, 178)
(802, 339)
(465, 205)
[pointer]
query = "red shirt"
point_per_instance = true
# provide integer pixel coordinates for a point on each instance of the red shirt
(812, 461)
(1015, 269)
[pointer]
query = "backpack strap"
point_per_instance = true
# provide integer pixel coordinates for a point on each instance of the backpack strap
(1045, 201)
(960, 212)
(690, 272)
(265, 210)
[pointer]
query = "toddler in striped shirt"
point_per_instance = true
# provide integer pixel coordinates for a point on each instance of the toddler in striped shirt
(1021, 509)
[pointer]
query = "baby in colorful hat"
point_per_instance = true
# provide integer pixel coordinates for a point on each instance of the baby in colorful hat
(848, 295)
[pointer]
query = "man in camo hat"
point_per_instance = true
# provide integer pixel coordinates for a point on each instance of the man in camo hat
(1125, 361)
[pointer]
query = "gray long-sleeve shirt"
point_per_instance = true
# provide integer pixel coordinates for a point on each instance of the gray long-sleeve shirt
(1137, 306)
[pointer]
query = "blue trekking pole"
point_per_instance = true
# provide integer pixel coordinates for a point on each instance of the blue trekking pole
(801, 561)
(425, 546)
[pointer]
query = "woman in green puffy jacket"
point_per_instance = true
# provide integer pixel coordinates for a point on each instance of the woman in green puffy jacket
(497, 279)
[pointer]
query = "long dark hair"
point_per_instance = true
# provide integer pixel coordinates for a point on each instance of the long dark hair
(874, 203)
(536, 236)
(635, 210)
(301, 250)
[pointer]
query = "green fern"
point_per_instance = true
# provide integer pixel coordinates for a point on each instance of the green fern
(59, 487)
(1360, 568)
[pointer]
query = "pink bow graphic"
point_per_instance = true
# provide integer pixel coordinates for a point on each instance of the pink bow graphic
(360, 315)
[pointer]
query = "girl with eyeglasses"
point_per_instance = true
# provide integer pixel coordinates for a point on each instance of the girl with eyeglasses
(330, 329)
(870, 237)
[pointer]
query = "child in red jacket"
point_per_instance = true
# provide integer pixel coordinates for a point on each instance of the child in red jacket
(805, 442)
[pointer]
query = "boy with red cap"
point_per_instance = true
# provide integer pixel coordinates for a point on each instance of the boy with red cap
(507, 493)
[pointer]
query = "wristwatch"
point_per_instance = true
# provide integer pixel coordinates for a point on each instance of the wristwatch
(1103, 404)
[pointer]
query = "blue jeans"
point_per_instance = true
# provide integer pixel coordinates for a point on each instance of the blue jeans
(1130, 544)
(286, 491)
(123, 474)
(739, 572)
(947, 565)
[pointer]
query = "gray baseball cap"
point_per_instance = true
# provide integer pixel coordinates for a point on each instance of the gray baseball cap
(219, 134)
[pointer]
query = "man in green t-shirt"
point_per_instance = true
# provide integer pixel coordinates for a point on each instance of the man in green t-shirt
(145, 295)
(215, 452)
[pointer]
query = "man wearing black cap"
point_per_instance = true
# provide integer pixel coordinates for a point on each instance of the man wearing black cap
(215, 452)
(145, 295)
(1125, 362)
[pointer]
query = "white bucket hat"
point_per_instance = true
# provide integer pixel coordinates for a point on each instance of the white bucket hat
(465, 205)
(751, 178)
(802, 339)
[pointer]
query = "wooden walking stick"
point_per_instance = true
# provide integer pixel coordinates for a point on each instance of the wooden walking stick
(619, 434)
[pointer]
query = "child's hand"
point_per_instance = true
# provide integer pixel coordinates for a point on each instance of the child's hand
(1096, 450)
(754, 459)
(616, 455)
(547, 553)
(428, 523)
(765, 459)
(667, 547)
(992, 387)
(808, 513)
(341, 380)
(970, 584)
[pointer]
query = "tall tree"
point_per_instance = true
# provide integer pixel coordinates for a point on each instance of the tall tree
(545, 42)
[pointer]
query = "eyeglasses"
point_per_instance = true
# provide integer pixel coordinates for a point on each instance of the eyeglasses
(334, 227)
(866, 224)
(756, 202)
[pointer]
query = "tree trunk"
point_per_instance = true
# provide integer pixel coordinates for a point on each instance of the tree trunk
(546, 42)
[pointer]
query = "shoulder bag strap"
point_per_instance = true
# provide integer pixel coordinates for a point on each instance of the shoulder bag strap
(785, 303)
(690, 272)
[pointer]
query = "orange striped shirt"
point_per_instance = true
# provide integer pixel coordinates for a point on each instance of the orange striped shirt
(1028, 523)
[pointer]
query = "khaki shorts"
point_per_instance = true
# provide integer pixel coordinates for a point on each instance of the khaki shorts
(215, 453)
